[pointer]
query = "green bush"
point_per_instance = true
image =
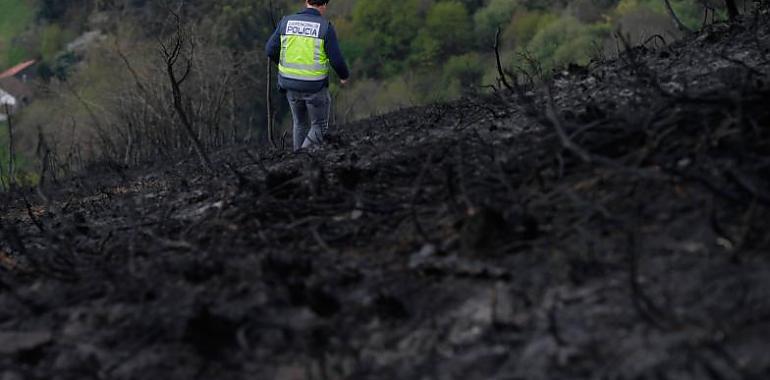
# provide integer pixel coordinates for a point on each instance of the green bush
(52, 41)
(51, 10)
(395, 93)
(15, 17)
(466, 70)
(565, 41)
(496, 14)
(524, 26)
(24, 169)
(689, 12)
(16, 54)
(425, 49)
(61, 67)
(384, 31)
(448, 22)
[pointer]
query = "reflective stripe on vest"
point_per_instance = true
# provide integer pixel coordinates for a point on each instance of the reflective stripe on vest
(303, 58)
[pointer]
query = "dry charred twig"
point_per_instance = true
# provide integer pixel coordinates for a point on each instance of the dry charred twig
(655, 37)
(11, 236)
(565, 141)
(269, 90)
(45, 164)
(11, 149)
(31, 305)
(678, 23)
(742, 64)
(172, 51)
(732, 10)
(553, 320)
(242, 180)
(32, 216)
(256, 161)
(269, 100)
(416, 192)
(463, 185)
(748, 186)
(643, 304)
(321, 242)
(706, 10)
(3, 184)
(503, 78)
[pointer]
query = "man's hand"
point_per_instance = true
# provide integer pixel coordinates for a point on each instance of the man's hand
(344, 82)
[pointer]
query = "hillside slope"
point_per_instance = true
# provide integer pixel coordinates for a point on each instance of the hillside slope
(614, 229)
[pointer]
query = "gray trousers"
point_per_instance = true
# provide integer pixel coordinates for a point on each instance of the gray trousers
(310, 111)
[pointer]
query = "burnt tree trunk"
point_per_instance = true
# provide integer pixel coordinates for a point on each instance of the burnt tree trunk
(677, 22)
(269, 104)
(2, 178)
(11, 149)
(732, 9)
(172, 54)
(500, 71)
(269, 97)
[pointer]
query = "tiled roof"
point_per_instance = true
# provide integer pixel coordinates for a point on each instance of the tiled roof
(16, 88)
(16, 69)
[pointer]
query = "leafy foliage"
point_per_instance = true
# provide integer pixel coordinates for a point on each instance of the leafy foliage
(449, 24)
(464, 71)
(565, 41)
(15, 16)
(496, 14)
(384, 30)
(525, 25)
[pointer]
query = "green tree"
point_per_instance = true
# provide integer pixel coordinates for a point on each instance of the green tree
(525, 25)
(52, 10)
(465, 72)
(52, 40)
(239, 24)
(383, 32)
(448, 22)
(425, 49)
(567, 40)
(496, 14)
(15, 17)
(690, 12)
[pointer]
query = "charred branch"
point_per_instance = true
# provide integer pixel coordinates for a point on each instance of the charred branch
(732, 10)
(501, 74)
(181, 46)
(269, 97)
(675, 19)
(11, 148)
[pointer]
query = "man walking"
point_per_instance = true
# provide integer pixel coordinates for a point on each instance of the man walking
(303, 46)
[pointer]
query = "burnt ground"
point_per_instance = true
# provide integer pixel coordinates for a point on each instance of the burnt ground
(616, 229)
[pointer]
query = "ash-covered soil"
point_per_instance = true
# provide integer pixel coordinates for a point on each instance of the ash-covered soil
(614, 227)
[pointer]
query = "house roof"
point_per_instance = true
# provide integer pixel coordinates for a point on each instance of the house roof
(17, 69)
(16, 88)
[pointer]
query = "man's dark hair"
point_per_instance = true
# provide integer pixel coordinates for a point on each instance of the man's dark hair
(318, 2)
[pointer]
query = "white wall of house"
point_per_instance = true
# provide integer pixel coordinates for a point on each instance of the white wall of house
(5, 98)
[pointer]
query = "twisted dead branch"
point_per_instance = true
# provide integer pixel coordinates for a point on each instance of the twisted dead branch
(11, 148)
(501, 75)
(675, 19)
(182, 43)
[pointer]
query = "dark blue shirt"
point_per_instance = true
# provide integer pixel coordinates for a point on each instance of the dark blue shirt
(337, 61)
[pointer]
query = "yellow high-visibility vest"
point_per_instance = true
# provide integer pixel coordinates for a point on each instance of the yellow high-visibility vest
(303, 53)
